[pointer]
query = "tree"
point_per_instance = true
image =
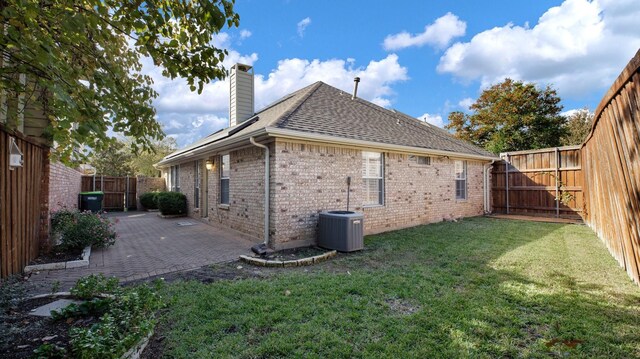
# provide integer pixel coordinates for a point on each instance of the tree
(142, 164)
(512, 116)
(578, 126)
(115, 160)
(82, 61)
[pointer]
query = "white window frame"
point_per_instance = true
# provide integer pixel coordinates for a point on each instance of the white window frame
(461, 177)
(225, 178)
(174, 176)
(368, 177)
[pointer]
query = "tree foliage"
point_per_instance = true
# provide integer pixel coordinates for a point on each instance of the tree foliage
(82, 59)
(512, 116)
(578, 127)
(142, 163)
(114, 160)
(119, 160)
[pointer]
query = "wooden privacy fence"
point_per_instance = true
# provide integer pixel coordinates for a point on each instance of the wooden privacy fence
(545, 182)
(22, 197)
(119, 192)
(611, 162)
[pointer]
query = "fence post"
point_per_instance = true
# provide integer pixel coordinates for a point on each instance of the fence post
(506, 173)
(557, 183)
(126, 196)
(94, 182)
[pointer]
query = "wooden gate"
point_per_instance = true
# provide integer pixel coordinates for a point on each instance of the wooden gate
(545, 182)
(23, 192)
(119, 192)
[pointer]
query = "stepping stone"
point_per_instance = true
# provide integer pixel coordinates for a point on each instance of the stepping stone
(45, 310)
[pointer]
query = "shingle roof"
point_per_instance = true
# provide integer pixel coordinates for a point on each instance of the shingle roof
(325, 110)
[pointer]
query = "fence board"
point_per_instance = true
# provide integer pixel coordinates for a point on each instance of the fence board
(529, 186)
(611, 159)
(20, 200)
(116, 191)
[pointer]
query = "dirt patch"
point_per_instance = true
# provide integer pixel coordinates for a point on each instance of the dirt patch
(57, 255)
(401, 306)
(22, 333)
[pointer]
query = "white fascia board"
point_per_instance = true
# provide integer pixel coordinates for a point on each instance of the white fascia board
(306, 136)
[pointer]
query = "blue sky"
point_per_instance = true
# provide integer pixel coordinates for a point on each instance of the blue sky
(425, 58)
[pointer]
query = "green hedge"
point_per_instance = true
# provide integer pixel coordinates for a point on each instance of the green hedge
(149, 200)
(172, 203)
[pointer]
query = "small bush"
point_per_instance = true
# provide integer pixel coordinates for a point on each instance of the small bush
(172, 203)
(149, 200)
(77, 230)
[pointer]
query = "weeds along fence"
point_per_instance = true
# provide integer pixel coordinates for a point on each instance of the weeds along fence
(23, 199)
(546, 182)
(611, 163)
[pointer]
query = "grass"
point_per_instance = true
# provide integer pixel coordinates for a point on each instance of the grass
(478, 288)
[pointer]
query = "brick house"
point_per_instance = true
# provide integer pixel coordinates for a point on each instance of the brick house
(403, 172)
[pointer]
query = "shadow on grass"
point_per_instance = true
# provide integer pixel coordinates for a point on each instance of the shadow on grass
(481, 287)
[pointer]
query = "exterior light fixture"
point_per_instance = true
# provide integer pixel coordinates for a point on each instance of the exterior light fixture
(209, 165)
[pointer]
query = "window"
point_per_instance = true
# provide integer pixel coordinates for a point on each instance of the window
(224, 180)
(196, 183)
(461, 179)
(372, 175)
(174, 178)
(421, 160)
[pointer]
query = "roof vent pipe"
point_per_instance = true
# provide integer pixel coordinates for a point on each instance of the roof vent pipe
(355, 87)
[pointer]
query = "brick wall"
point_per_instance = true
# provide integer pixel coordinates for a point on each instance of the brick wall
(312, 178)
(245, 212)
(148, 184)
(309, 178)
(64, 186)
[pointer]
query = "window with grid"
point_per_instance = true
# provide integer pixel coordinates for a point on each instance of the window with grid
(196, 183)
(461, 179)
(224, 180)
(175, 178)
(372, 176)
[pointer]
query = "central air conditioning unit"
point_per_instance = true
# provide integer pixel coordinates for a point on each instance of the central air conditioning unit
(341, 230)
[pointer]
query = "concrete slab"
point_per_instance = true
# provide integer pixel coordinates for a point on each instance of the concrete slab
(45, 310)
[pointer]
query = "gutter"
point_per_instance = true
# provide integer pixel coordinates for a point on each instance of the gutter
(266, 189)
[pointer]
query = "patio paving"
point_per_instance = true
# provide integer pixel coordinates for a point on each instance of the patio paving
(149, 246)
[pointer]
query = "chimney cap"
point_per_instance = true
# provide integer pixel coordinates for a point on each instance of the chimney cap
(243, 67)
(356, 79)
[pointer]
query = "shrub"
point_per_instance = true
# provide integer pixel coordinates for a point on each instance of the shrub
(172, 203)
(77, 230)
(149, 200)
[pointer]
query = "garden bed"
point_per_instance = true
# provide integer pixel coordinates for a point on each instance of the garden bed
(81, 261)
(104, 320)
(57, 255)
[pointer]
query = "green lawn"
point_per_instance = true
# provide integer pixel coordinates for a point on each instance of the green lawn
(477, 288)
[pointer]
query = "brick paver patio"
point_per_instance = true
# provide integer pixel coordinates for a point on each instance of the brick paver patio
(148, 246)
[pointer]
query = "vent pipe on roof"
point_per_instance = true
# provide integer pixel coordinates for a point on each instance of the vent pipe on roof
(241, 98)
(355, 87)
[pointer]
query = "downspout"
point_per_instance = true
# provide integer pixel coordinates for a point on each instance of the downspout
(487, 189)
(266, 189)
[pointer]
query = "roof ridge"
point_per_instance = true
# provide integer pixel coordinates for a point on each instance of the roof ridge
(440, 132)
(296, 105)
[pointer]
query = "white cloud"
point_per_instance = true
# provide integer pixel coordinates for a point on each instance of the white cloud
(302, 25)
(221, 40)
(439, 34)
(188, 116)
(465, 103)
(578, 47)
(435, 120)
(292, 74)
(245, 34)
